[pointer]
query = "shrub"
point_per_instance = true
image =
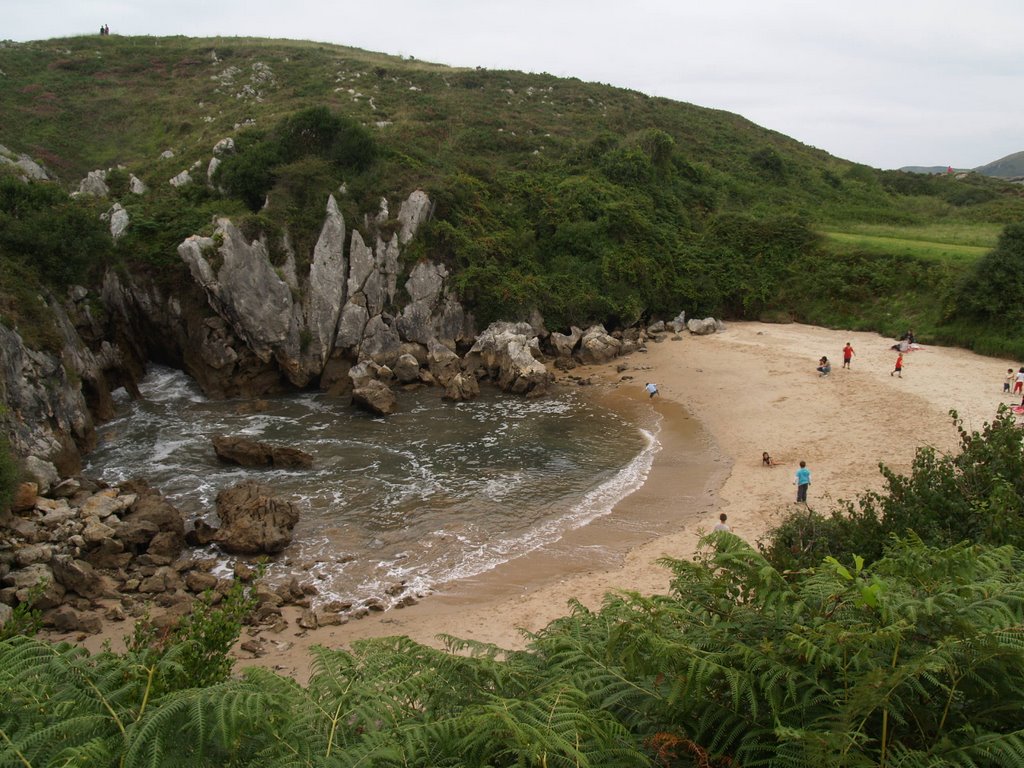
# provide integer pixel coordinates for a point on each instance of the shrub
(10, 472)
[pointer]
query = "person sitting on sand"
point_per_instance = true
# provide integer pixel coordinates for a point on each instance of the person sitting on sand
(721, 525)
(767, 460)
(824, 366)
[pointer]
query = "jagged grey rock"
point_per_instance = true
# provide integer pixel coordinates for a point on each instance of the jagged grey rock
(119, 221)
(565, 344)
(506, 353)
(95, 183)
(181, 179)
(411, 214)
(597, 346)
(326, 293)
(136, 185)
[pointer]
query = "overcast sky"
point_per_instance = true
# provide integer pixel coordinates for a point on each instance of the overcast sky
(902, 82)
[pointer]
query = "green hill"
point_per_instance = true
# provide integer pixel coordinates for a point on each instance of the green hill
(1011, 166)
(586, 201)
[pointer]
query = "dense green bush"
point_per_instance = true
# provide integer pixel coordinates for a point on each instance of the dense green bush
(60, 238)
(993, 291)
(913, 660)
(975, 495)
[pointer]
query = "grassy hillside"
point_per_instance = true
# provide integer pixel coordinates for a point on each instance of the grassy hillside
(590, 202)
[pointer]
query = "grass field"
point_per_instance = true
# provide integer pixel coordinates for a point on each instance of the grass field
(958, 243)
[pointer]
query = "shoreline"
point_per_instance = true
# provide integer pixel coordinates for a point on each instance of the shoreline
(729, 396)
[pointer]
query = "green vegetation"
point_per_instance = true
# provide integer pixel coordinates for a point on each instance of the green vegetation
(10, 471)
(806, 654)
(976, 496)
(588, 202)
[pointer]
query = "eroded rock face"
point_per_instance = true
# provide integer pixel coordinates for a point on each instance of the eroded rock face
(254, 520)
(597, 346)
(508, 353)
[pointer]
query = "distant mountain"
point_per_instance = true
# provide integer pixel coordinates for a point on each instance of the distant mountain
(1006, 168)
(1009, 167)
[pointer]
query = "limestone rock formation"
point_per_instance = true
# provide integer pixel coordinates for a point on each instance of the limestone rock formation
(597, 346)
(254, 520)
(376, 397)
(507, 353)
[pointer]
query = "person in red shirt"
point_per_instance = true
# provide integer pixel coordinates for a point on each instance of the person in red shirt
(899, 366)
(848, 354)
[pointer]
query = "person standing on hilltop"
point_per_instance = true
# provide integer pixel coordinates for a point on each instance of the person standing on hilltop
(848, 354)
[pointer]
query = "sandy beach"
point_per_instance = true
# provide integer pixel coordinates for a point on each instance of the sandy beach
(723, 399)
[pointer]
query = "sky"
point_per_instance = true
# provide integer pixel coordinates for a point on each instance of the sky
(888, 84)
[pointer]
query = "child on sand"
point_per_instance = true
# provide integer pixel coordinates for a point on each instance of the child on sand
(848, 354)
(899, 366)
(652, 389)
(766, 460)
(824, 366)
(721, 525)
(1018, 382)
(1008, 381)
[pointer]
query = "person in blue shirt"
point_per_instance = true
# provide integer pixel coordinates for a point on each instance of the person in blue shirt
(803, 479)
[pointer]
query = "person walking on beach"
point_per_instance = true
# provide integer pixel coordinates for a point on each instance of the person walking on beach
(721, 525)
(652, 389)
(803, 479)
(1009, 380)
(899, 366)
(848, 354)
(1019, 384)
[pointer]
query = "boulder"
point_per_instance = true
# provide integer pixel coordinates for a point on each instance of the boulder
(442, 362)
(148, 515)
(67, 619)
(701, 327)
(254, 453)
(95, 184)
(254, 520)
(37, 585)
(462, 386)
(597, 346)
(407, 369)
(565, 344)
(78, 576)
(24, 497)
(376, 397)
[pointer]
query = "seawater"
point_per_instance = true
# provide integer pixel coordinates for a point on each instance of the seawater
(434, 493)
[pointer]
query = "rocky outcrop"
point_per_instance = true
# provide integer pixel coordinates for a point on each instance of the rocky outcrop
(375, 397)
(27, 168)
(48, 414)
(597, 346)
(254, 520)
(254, 453)
(508, 353)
